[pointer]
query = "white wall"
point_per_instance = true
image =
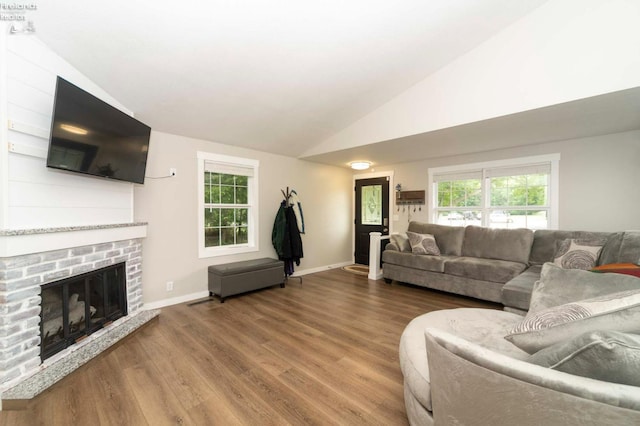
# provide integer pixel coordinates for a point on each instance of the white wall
(562, 51)
(32, 195)
(170, 207)
(598, 180)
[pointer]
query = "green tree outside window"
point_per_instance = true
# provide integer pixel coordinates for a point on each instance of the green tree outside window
(226, 212)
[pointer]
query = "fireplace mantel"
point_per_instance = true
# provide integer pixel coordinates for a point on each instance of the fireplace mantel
(25, 241)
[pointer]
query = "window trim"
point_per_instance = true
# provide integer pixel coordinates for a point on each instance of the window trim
(253, 188)
(554, 181)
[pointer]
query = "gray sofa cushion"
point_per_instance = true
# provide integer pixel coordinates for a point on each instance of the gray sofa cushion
(423, 244)
(498, 271)
(611, 312)
(410, 260)
(611, 250)
(517, 292)
(602, 355)
(545, 243)
(448, 238)
(400, 242)
(578, 254)
(502, 244)
(483, 290)
(558, 286)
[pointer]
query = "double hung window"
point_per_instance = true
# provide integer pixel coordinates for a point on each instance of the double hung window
(519, 193)
(228, 189)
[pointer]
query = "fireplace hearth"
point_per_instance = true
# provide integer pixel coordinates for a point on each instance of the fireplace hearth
(41, 269)
(76, 307)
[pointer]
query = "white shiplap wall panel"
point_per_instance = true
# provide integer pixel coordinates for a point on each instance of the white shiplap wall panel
(27, 140)
(51, 217)
(18, 67)
(28, 97)
(36, 119)
(32, 169)
(39, 197)
(33, 51)
(67, 198)
(64, 197)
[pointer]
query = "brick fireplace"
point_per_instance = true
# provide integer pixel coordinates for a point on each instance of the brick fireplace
(30, 259)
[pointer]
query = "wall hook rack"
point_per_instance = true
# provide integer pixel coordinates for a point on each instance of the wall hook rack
(410, 197)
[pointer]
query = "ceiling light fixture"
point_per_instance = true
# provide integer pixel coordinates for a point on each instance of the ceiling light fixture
(360, 165)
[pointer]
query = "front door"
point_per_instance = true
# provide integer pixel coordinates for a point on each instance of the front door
(372, 214)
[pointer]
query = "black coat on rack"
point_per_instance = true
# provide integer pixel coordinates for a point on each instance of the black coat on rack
(286, 235)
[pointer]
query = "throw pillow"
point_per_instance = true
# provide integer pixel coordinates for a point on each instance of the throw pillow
(402, 242)
(577, 254)
(602, 355)
(619, 268)
(423, 244)
(616, 312)
(558, 286)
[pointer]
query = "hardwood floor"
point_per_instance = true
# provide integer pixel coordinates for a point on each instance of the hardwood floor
(324, 352)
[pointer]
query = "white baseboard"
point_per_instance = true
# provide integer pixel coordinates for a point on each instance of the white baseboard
(176, 300)
(202, 294)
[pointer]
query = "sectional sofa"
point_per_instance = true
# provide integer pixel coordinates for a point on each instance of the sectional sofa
(498, 265)
(459, 369)
(568, 354)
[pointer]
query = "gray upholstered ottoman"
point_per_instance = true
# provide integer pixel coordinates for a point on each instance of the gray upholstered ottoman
(248, 275)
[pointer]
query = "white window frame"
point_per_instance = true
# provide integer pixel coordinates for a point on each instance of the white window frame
(253, 186)
(554, 182)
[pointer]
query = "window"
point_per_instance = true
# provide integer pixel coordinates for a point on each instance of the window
(228, 204)
(519, 193)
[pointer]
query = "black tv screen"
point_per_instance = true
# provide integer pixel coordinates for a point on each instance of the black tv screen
(90, 136)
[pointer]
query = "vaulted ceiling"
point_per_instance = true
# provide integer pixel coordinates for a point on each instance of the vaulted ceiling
(279, 76)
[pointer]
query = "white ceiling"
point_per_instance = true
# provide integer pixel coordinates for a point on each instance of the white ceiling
(598, 115)
(278, 76)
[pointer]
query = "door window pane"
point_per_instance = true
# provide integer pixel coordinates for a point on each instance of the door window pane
(371, 205)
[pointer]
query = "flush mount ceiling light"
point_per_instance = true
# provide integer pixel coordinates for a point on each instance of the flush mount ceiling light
(360, 165)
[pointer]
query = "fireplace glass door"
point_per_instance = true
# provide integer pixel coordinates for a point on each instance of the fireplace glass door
(75, 307)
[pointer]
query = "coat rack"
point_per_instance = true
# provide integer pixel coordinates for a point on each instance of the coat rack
(286, 203)
(286, 195)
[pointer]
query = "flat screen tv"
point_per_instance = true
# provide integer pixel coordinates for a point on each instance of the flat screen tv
(90, 136)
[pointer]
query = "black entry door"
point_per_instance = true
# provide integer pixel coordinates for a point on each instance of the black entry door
(372, 213)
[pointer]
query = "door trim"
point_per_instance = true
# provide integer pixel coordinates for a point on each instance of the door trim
(388, 173)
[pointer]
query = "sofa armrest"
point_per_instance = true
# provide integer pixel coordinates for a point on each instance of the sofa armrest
(474, 385)
(630, 248)
(391, 246)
